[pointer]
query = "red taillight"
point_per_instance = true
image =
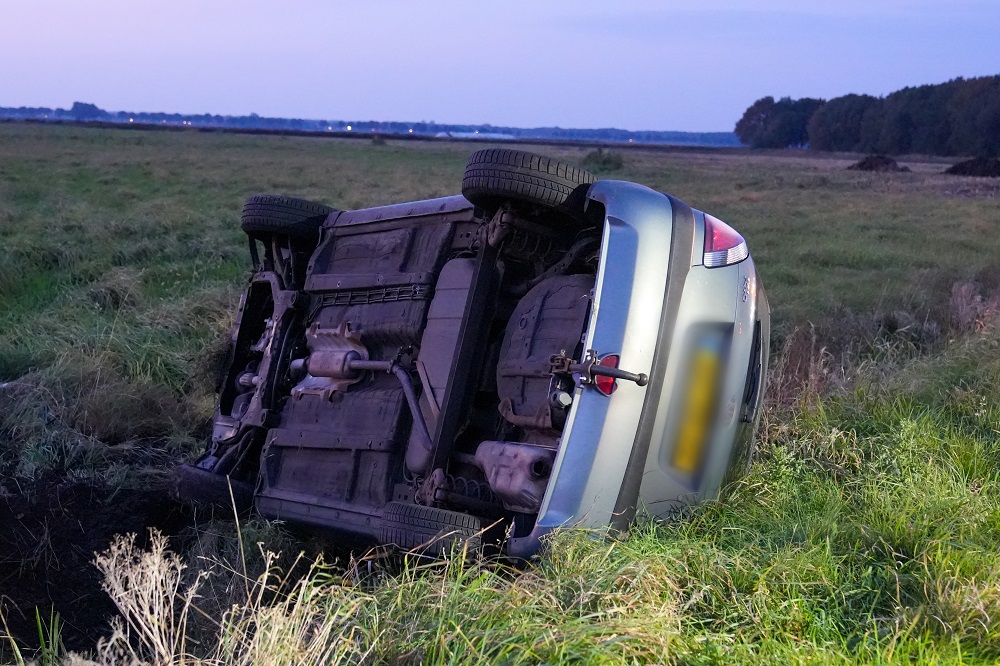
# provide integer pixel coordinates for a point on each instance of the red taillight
(723, 246)
(606, 385)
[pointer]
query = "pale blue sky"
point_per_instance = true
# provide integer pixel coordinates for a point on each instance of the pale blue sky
(670, 65)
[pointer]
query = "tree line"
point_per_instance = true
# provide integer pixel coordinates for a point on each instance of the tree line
(960, 117)
(87, 112)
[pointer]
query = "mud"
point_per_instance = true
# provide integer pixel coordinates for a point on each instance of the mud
(981, 167)
(878, 163)
(48, 538)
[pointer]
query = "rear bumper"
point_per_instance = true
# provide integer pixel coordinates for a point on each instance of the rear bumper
(651, 296)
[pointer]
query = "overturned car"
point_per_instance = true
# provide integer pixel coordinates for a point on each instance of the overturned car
(546, 349)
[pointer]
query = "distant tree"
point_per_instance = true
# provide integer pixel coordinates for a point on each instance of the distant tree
(790, 126)
(770, 124)
(988, 122)
(836, 125)
(974, 110)
(84, 111)
(958, 117)
(871, 128)
(751, 127)
(896, 136)
(933, 125)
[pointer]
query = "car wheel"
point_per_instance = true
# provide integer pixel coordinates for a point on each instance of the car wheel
(268, 214)
(429, 530)
(494, 176)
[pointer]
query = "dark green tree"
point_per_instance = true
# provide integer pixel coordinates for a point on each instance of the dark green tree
(751, 127)
(84, 111)
(837, 124)
(770, 124)
(958, 117)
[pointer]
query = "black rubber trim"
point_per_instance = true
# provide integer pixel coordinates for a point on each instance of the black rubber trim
(218, 491)
(677, 271)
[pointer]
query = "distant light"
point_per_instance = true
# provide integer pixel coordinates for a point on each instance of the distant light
(130, 120)
(477, 131)
(630, 140)
(373, 129)
(328, 127)
(411, 130)
(348, 128)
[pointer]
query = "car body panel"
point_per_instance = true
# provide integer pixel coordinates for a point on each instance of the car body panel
(630, 286)
(603, 432)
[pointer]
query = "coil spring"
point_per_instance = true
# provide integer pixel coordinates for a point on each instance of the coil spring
(460, 485)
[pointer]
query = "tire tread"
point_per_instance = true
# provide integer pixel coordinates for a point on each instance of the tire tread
(495, 174)
(277, 214)
(427, 528)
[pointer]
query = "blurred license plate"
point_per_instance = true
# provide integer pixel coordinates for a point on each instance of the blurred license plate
(699, 409)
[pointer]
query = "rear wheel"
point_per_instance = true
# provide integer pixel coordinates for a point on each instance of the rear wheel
(267, 214)
(495, 176)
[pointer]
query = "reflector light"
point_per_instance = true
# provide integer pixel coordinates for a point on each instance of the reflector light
(607, 385)
(723, 245)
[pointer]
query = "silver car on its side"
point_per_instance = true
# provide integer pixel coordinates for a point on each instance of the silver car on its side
(545, 350)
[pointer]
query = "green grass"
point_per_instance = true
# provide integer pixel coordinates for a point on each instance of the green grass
(123, 263)
(867, 531)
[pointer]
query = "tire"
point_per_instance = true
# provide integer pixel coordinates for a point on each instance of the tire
(494, 176)
(265, 214)
(430, 530)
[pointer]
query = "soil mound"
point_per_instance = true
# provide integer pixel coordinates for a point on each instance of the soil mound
(983, 167)
(879, 163)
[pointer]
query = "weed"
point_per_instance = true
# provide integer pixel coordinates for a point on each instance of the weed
(51, 650)
(15, 650)
(602, 161)
(146, 588)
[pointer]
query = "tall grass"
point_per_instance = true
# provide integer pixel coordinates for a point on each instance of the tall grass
(866, 532)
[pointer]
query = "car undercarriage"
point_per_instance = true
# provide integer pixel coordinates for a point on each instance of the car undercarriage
(405, 374)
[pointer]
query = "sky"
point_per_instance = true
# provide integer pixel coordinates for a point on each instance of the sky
(635, 64)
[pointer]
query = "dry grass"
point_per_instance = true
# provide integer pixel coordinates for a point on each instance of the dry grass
(589, 601)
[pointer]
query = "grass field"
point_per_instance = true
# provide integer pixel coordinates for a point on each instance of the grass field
(868, 530)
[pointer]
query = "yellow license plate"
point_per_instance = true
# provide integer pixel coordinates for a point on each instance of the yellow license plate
(699, 408)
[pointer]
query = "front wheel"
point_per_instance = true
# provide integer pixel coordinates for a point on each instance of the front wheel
(289, 230)
(298, 219)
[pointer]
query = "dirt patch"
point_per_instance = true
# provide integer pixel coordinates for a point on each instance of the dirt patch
(878, 163)
(981, 167)
(48, 537)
